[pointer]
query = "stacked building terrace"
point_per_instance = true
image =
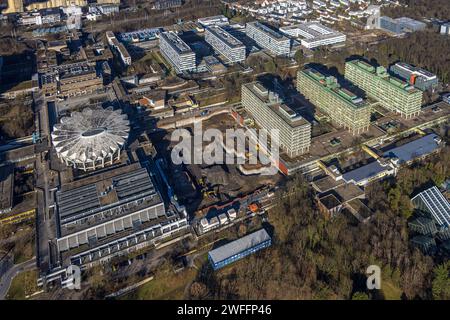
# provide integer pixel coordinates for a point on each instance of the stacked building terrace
(343, 107)
(392, 93)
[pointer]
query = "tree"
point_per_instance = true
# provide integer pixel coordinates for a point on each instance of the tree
(299, 57)
(394, 198)
(360, 296)
(198, 290)
(405, 206)
(441, 282)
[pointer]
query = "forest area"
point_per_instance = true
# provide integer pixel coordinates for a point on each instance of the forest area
(16, 119)
(418, 9)
(316, 258)
(424, 49)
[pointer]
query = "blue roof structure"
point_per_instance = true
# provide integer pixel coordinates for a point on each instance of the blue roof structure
(414, 149)
(239, 248)
(365, 172)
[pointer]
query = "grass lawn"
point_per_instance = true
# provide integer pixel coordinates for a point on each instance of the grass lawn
(168, 286)
(390, 291)
(22, 285)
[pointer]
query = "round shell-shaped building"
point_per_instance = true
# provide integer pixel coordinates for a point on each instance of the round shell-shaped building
(92, 138)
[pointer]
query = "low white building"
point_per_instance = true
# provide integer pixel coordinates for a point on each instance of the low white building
(314, 34)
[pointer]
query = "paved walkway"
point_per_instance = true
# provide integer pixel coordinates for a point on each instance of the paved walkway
(8, 276)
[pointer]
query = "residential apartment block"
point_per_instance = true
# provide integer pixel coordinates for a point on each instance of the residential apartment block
(270, 112)
(342, 106)
(393, 93)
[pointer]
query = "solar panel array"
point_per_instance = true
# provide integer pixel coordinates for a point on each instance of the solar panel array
(78, 200)
(84, 201)
(436, 204)
(136, 183)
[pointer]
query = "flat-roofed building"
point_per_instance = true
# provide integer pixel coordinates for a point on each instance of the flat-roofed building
(329, 204)
(393, 93)
(177, 52)
(417, 77)
(167, 4)
(314, 34)
(270, 112)
(445, 28)
(238, 249)
(267, 38)
(48, 83)
(111, 213)
(70, 80)
(415, 149)
(124, 55)
(369, 172)
(224, 43)
(433, 202)
(219, 20)
(119, 47)
(342, 106)
(79, 78)
(400, 25)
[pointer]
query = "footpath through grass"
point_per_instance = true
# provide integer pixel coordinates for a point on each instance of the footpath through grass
(24, 284)
(167, 286)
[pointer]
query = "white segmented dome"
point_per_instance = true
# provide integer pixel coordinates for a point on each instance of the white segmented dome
(91, 138)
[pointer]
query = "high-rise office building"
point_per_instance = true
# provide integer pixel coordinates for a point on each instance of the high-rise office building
(270, 112)
(224, 43)
(393, 93)
(342, 106)
(268, 38)
(177, 52)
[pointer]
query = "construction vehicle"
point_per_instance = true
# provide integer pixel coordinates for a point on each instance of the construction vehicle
(210, 194)
(202, 182)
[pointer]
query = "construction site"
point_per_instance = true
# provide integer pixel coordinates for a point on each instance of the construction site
(208, 190)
